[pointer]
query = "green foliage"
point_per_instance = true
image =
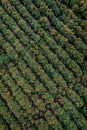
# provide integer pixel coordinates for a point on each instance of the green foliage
(43, 68)
(44, 23)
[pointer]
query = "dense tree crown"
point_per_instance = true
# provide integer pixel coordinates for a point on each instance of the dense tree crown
(43, 65)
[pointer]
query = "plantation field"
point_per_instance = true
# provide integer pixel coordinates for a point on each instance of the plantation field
(43, 64)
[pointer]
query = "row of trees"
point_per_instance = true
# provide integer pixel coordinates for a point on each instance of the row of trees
(23, 64)
(11, 102)
(25, 76)
(48, 40)
(79, 7)
(17, 77)
(32, 37)
(18, 92)
(68, 17)
(72, 112)
(34, 98)
(25, 71)
(56, 22)
(46, 25)
(62, 15)
(13, 105)
(64, 118)
(81, 90)
(78, 57)
(27, 57)
(68, 126)
(3, 124)
(8, 116)
(39, 69)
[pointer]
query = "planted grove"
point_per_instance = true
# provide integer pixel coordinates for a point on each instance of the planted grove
(43, 65)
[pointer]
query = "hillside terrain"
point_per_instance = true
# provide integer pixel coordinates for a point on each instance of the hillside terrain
(43, 64)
